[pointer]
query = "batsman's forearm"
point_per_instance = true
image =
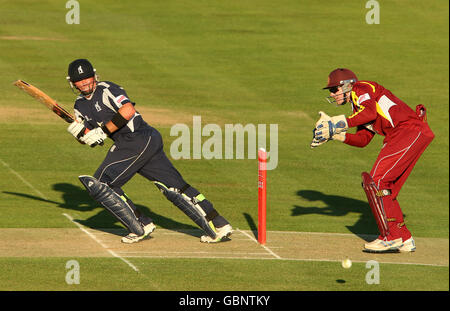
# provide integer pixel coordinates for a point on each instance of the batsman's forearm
(120, 119)
(109, 128)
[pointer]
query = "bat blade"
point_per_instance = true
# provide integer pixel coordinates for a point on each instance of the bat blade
(43, 98)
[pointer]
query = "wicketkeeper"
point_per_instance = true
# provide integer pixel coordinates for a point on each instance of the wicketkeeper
(377, 111)
(103, 110)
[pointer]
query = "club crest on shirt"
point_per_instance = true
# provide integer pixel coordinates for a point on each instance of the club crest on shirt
(97, 106)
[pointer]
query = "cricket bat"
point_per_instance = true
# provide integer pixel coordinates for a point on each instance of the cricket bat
(49, 102)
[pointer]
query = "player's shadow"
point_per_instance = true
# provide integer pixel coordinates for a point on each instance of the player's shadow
(251, 224)
(77, 199)
(337, 206)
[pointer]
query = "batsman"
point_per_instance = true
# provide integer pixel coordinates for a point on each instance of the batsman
(103, 109)
(375, 110)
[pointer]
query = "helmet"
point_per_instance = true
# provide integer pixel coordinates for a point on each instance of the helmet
(340, 77)
(80, 69)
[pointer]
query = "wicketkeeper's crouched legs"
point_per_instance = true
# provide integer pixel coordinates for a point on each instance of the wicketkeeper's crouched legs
(385, 208)
(395, 220)
(394, 236)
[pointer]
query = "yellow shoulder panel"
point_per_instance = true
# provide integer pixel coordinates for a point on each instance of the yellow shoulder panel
(373, 87)
(361, 108)
(354, 98)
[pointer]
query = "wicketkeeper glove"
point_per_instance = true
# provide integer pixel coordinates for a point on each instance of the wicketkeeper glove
(334, 125)
(340, 137)
(329, 128)
(339, 124)
(317, 141)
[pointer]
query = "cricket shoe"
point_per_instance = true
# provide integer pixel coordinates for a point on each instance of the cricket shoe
(383, 246)
(408, 246)
(133, 238)
(222, 234)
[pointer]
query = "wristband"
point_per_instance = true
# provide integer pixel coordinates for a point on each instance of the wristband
(119, 121)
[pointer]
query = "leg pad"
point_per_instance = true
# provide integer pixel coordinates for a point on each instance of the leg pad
(107, 197)
(376, 203)
(191, 207)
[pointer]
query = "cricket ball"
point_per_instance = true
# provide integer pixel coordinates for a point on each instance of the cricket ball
(346, 263)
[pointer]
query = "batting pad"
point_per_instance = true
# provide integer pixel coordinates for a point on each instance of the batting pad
(187, 206)
(107, 197)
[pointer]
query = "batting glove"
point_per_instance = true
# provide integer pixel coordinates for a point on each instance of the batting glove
(94, 137)
(76, 129)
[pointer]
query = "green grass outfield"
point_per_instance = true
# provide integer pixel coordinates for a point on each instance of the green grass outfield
(250, 275)
(230, 62)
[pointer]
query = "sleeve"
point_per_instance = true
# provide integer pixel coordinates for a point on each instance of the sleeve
(80, 117)
(365, 109)
(119, 94)
(361, 138)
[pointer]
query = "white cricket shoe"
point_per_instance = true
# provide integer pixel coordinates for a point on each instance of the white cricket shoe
(133, 238)
(222, 234)
(383, 246)
(408, 246)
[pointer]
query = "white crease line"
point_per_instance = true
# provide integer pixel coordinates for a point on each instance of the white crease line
(23, 180)
(161, 231)
(321, 233)
(99, 242)
(263, 246)
(203, 257)
(193, 252)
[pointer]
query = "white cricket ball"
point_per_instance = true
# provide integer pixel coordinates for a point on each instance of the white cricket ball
(346, 263)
